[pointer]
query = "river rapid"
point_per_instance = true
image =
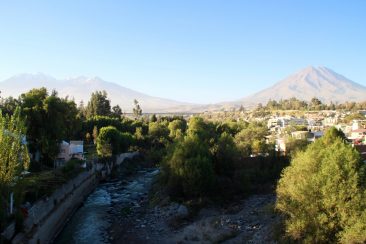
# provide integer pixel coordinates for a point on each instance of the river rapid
(91, 222)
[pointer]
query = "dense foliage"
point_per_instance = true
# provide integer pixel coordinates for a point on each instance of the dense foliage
(98, 105)
(191, 167)
(14, 156)
(314, 104)
(322, 193)
(137, 111)
(212, 160)
(111, 141)
(252, 140)
(49, 119)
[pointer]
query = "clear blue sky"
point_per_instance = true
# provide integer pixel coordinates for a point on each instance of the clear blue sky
(197, 51)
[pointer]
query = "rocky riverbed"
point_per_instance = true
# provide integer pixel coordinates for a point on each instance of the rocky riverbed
(119, 211)
(248, 221)
(92, 221)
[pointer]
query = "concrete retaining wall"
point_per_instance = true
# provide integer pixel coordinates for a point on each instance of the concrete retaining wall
(47, 217)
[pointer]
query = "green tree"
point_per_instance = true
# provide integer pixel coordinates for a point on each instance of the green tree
(206, 131)
(231, 127)
(322, 193)
(49, 119)
(110, 142)
(331, 134)
(191, 167)
(8, 105)
(81, 110)
(315, 104)
(251, 140)
(225, 154)
(153, 118)
(137, 111)
(140, 138)
(14, 156)
(158, 132)
(99, 104)
(295, 145)
(176, 128)
(117, 111)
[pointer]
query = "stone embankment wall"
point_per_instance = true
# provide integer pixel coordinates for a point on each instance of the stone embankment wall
(47, 217)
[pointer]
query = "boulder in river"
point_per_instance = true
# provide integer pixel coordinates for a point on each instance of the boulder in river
(182, 211)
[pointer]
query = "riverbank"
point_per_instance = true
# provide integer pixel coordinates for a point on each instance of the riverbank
(251, 220)
(120, 211)
(47, 217)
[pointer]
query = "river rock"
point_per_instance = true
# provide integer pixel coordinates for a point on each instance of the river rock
(182, 211)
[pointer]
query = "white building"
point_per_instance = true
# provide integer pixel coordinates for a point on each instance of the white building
(74, 149)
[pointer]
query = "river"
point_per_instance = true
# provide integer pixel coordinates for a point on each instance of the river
(91, 222)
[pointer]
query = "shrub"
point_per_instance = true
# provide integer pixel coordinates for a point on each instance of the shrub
(322, 193)
(71, 166)
(191, 167)
(225, 154)
(158, 132)
(206, 131)
(252, 140)
(176, 128)
(110, 141)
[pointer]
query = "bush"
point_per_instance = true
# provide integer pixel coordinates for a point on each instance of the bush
(225, 154)
(72, 167)
(251, 140)
(205, 131)
(176, 128)
(159, 134)
(110, 142)
(207, 159)
(191, 168)
(322, 193)
(124, 125)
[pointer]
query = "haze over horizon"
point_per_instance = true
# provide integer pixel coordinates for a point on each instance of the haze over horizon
(204, 52)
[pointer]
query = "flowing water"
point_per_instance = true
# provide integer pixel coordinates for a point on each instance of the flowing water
(90, 223)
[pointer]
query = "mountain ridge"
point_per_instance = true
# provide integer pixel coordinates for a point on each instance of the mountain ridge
(80, 88)
(320, 82)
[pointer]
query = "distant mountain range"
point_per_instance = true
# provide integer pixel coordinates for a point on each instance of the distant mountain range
(310, 82)
(80, 88)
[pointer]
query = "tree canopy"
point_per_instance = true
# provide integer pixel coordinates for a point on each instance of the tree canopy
(251, 140)
(137, 111)
(98, 105)
(49, 119)
(14, 156)
(111, 141)
(322, 193)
